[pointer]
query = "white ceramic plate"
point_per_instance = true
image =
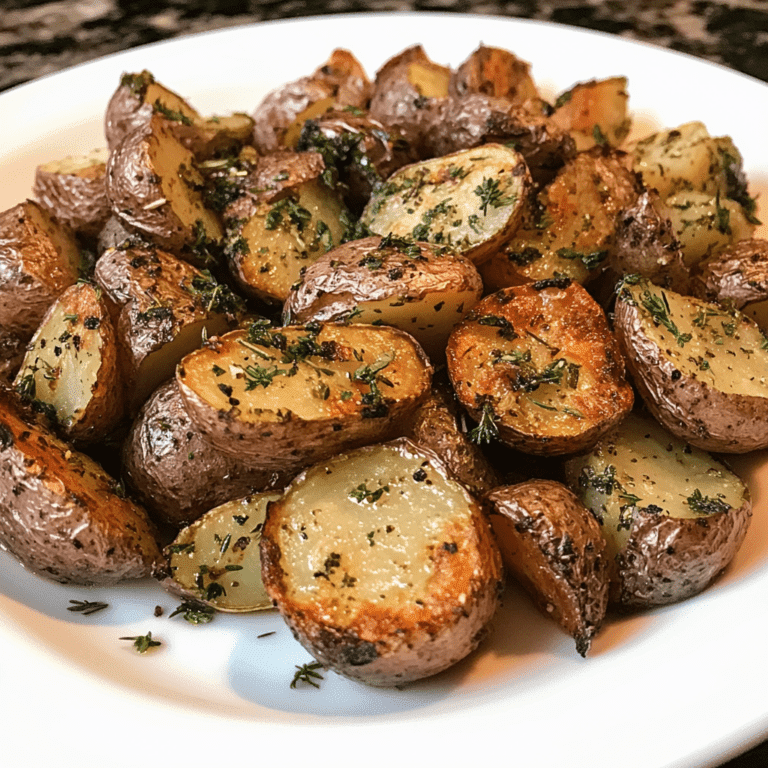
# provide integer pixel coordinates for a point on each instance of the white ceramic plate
(679, 687)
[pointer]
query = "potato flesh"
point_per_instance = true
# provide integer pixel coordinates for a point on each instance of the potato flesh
(275, 256)
(383, 547)
(80, 165)
(321, 389)
(642, 464)
(726, 351)
(468, 200)
(222, 548)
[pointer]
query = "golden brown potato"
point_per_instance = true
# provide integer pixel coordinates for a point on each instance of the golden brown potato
(420, 288)
(39, 259)
(286, 397)
(737, 275)
(72, 368)
(340, 82)
(538, 367)
(672, 516)
(175, 472)
(470, 201)
(163, 306)
(139, 96)
(700, 369)
(494, 72)
(61, 515)
(73, 190)
(384, 569)
(154, 187)
(552, 544)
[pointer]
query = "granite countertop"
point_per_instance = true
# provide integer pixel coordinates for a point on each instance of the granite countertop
(40, 38)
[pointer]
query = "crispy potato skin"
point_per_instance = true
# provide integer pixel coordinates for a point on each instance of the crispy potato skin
(667, 559)
(175, 472)
(688, 407)
(553, 546)
(494, 72)
(76, 198)
(573, 325)
(59, 514)
(436, 428)
(392, 642)
(34, 271)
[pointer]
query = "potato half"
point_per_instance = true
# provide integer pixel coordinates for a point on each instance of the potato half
(61, 515)
(420, 288)
(702, 370)
(216, 560)
(538, 367)
(495, 72)
(552, 544)
(72, 365)
(470, 201)
(384, 569)
(286, 397)
(672, 516)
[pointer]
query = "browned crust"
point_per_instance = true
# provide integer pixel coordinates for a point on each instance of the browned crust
(175, 472)
(687, 407)
(577, 326)
(59, 513)
(668, 559)
(385, 645)
(553, 546)
(494, 72)
(34, 271)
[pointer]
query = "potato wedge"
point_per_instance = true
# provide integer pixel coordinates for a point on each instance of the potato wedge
(279, 118)
(164, 307)
(139, 96)
(216, 561)
(701, 370)
(61, 515)
(175, 472)
(73, 190)
(672, 516)
(71, 367)
(286, 397)
(39, 259)
(384, 569)
(552, 544)
(154, 188)
(420, 288)
(470, 201)
(538, 367)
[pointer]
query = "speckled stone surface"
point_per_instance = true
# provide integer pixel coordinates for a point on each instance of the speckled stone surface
(40, 38)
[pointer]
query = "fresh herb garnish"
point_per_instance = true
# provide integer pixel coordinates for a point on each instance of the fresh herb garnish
(142, 643)
(490, 193)
(486, 430)
(86, 607)
(307, 673)
(194, 612)
(704, 505)
(361, 493)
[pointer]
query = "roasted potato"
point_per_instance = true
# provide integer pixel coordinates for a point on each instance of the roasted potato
(552, 544)
(420, 288)
(72, 366)
(177, 474)
(61, 515)
(437, 426)
(154, 187)
(163, 307)
(569, 229)
(538, 367)
(384, 569)
(702, 370)
(494, 72)
(286, 397)
(39, 259)
(595, 113)
(215, 561)
(288, 220)
(139, 96)
(340, 82)
(73, 190)
(470, 201)
(671, 515)
(409, 92)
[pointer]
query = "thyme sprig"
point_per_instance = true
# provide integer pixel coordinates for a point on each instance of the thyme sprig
(307, 673)
(142, 643)
(86, 607)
